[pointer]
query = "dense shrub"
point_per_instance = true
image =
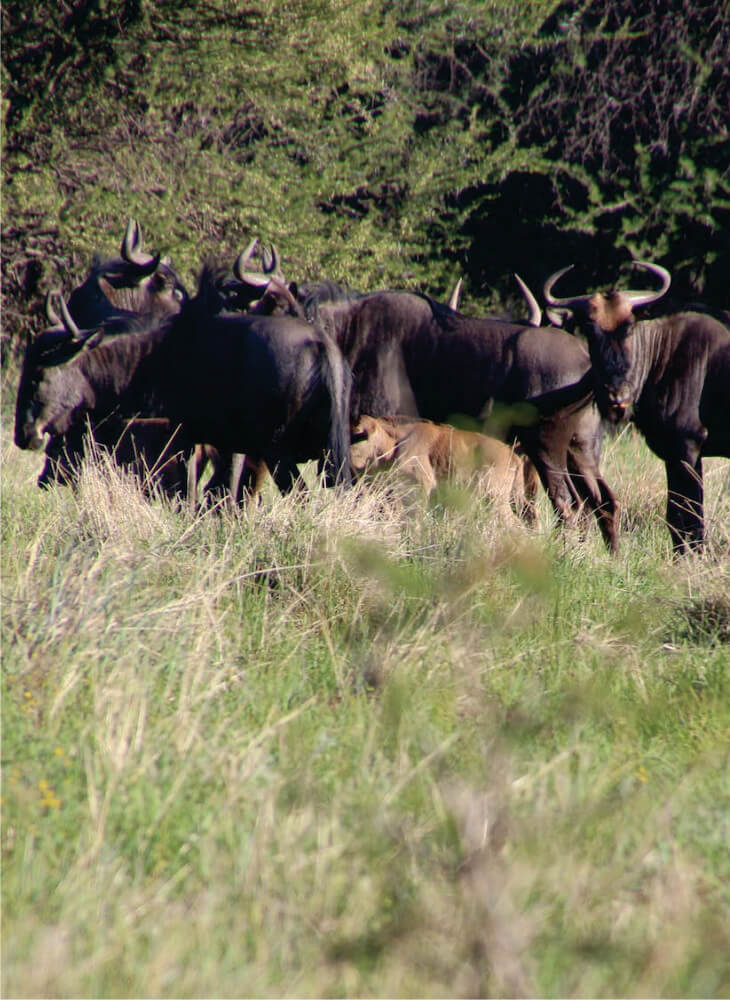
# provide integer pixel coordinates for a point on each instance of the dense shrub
(378, 144)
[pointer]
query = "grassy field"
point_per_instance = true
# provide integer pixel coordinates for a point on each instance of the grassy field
(354, 746)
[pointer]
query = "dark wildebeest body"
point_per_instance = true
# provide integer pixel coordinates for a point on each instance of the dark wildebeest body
(671, 376)
(274, 388)
(115, 293)
(412, 355)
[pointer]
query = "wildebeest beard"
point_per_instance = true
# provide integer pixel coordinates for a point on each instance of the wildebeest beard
(611, 367)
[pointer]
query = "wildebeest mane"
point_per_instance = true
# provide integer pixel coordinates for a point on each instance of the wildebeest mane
(211, 296)
(324, 293)
(115, 357)
(441, 311)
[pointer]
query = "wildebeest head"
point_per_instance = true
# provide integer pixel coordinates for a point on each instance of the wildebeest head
(52, 393)
(264, 292)
(607, 319)
(135, 282)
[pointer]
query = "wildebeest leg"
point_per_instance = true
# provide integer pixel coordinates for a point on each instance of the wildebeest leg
(218, 486)
(247, 478)
(64, 455)
(546, 446)
(556, 481)
(685, 496)
(326, 471)
(531, 481)
(196, 464)
(596, 494)
(223, 482)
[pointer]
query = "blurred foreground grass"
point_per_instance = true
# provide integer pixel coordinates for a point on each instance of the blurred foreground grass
(355, 747)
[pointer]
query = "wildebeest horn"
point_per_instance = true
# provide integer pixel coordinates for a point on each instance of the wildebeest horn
(66, 318)
(281, 289)
(51, 315)
(644, 298)
(271, 261)
(456, 295)
(93, 338)
(244, 258)
(131, 249)
(558, 317)
(574, 303)
(254, 278)
(535, 312)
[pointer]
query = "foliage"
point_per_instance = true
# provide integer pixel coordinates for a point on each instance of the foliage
(378, 144)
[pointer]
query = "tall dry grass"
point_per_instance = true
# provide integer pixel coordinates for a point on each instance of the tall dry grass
(353, 744)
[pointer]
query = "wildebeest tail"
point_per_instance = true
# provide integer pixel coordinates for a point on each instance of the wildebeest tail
(339, 383)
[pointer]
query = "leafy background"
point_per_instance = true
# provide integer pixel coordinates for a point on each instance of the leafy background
(379, 144)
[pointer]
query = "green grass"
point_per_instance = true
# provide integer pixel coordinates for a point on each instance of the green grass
(355, 747)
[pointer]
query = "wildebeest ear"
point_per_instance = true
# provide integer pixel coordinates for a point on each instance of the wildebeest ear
(294, 289)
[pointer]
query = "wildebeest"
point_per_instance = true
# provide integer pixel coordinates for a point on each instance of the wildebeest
(414, 356)
(429, 452)
(274, 388)
(671, 376)
(142, 444)
(116, 290)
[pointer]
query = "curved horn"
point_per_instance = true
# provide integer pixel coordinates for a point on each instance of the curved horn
(254, 278)
(456, 295)
(558, 317)
(645, 298)
(281, 289)
(244, 258)
(271, 260)
(51, 315)
(574, 303)
(67, 319)
(535, 312)
(131, 249)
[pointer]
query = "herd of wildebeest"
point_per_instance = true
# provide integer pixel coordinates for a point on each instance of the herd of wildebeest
(255, 374)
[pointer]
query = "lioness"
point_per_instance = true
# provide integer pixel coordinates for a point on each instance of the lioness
(430, 452)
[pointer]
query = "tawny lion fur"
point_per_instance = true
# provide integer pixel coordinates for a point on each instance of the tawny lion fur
(431, 452)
